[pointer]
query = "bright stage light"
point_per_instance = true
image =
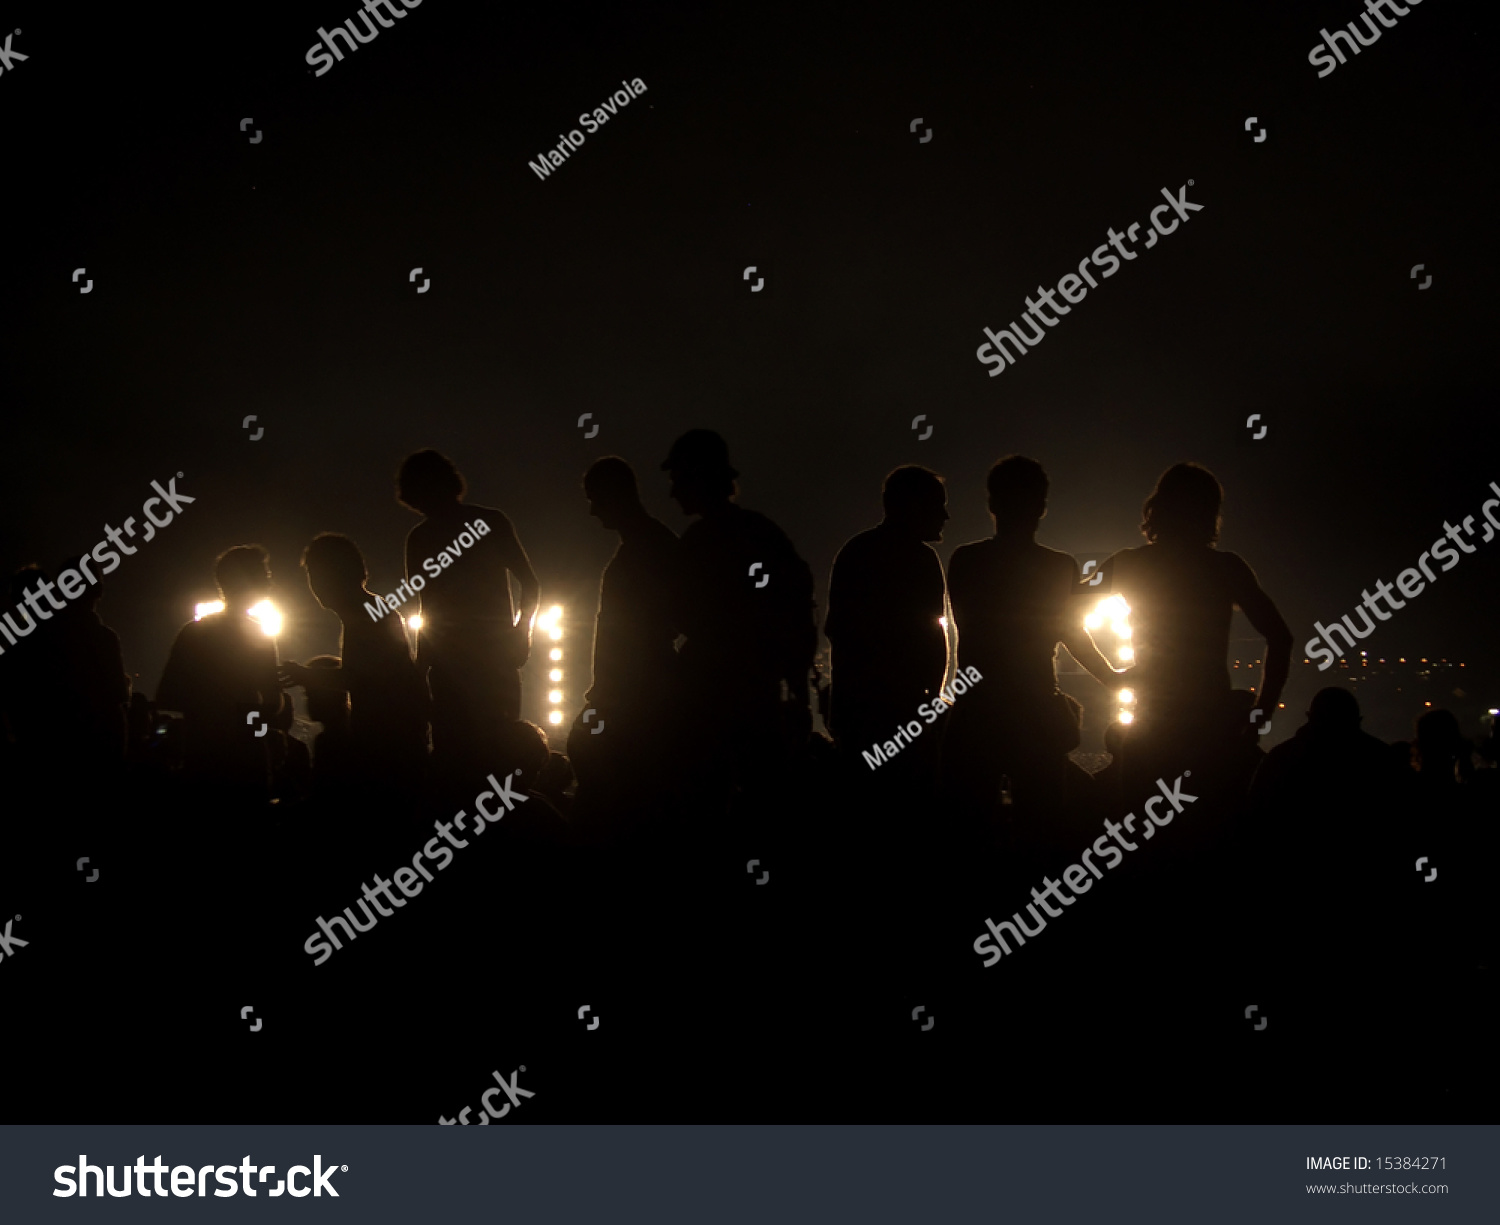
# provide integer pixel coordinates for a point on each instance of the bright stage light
(1127, 696)
(555, 717)
(269, 617)
(415, 621)
(556, 652)
(1127, 716)
(555, 675)
(1093, 621)
(1126, 654)
(555, 696)
(207, 609)
(555, 633)
(1120, 629)
(943, 621)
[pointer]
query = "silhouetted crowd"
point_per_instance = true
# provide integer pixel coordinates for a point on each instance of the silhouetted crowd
(945, 786)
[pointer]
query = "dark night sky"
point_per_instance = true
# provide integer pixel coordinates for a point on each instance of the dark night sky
(271, 279)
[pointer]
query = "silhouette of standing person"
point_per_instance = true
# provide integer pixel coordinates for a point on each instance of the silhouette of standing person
(885, 623)
(472, 645)
(1012, 604)
(221, 669)
(746, 607)
(387, 700)
(1182, 592)
(94, 675)
(634, 690)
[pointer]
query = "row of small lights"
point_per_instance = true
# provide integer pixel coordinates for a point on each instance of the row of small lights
(1116, 611)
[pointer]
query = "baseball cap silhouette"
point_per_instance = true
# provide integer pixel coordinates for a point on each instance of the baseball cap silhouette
(700, 451)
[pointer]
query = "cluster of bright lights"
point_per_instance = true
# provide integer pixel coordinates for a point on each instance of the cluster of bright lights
(551, 623)
(265, 612)
(1127, 700)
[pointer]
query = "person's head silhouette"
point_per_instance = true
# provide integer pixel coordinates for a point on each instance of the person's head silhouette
(1184, 507)
(1333, 711)
(1017, 494)
(611, 489)
(915, 501)
(89, 596)
(336, 571)
(243, 575)
(429, 483)
(702, 477)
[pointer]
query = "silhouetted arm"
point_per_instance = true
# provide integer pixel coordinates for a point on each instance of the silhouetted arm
(1266, 618)
(1079, 641)
(516, 561)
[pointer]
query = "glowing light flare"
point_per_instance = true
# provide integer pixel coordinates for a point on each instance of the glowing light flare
(555, 675)
(555, 717)
(1127, 696)
(269, 617)
(555, 696)
(207, 609)
(415, 621)
(1126, 654)
(1127, 716)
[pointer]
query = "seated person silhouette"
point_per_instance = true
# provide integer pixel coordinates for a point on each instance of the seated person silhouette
(1182, 592)
(472, 645)
(886, 604)
(221, 671)
(1012, 604)
(387, 700)
(745, 603)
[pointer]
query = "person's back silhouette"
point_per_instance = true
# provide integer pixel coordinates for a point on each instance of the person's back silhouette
(885, 623)
(387, 700)
(1013, 602)
(746, 607)
(1182, 592)
(95, 679)
(472, 645)
(221, 669)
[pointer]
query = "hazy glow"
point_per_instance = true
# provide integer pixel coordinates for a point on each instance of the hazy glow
(555, 696)
(269, 617)
(1127, 653)
(555, 717)
(1120, 629)
(555, 675)
(1127, 696)
(556, 653)
(555, 633)
(207, 609)
(943, 621)
(1093, 621)
(1127, 716)
(415, 621)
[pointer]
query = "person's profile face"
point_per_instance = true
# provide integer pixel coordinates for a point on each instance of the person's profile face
(687, 492)
(932, 515)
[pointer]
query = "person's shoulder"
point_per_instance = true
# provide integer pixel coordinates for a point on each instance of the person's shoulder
(658, 535)
(497, 519)
(1055, 559)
